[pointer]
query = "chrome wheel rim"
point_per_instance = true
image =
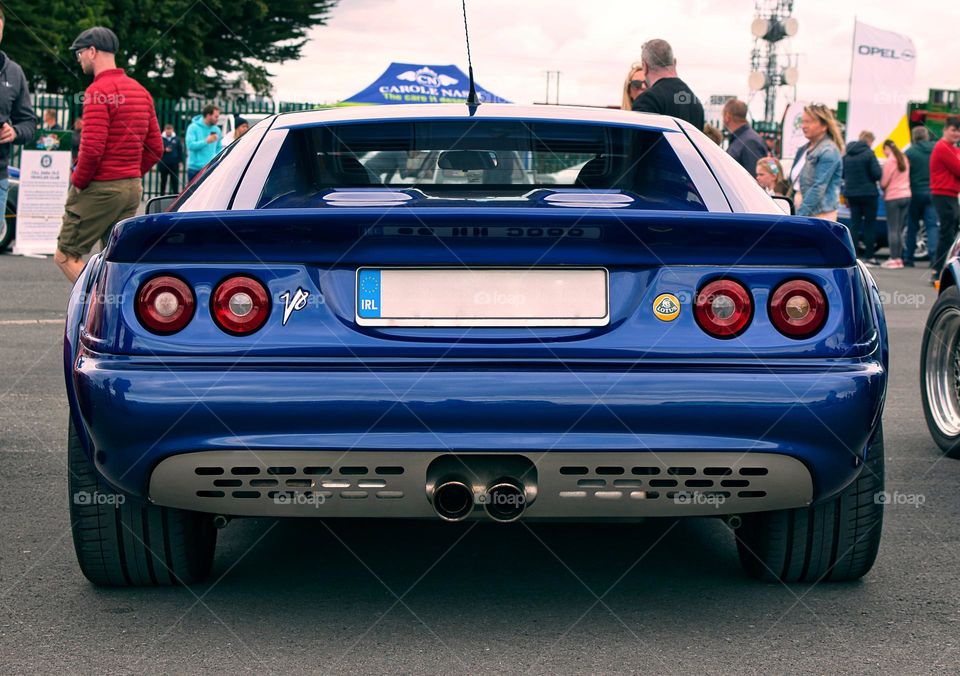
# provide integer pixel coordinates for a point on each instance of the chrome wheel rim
(942, 372)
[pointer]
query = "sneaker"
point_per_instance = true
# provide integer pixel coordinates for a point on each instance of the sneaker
(892, 264)
(908, 264)
(871, 262)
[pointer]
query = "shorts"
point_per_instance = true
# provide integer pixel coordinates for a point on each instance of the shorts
(89, 214)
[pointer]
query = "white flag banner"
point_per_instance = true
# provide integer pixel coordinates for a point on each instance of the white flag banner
(793, 136)
(881, 77)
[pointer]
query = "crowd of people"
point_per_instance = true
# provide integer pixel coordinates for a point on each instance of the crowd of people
(919, 186)
(115, 146)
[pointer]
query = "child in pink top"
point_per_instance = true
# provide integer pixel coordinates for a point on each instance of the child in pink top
(895, 181)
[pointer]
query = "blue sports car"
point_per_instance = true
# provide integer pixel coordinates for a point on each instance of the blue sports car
(415, 312)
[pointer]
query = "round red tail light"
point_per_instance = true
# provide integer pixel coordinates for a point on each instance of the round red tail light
(165, 304)
(798, 308)
(240, 305)
(723, 308)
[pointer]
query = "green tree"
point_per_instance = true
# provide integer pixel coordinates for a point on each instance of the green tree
(38, 37)
(174, 48)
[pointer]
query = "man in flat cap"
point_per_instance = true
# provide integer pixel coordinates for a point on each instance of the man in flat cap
(120, 142)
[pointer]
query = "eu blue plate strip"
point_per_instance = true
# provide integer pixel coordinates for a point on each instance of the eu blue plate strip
(368, 294)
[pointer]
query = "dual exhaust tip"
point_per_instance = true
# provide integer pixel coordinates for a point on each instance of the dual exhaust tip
(504, 500)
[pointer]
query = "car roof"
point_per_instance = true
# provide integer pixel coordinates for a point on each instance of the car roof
(487, 111)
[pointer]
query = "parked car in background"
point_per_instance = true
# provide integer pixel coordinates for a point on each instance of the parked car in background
(940, 359)
(920, 252)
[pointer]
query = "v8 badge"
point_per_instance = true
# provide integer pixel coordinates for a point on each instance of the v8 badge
(291, 305)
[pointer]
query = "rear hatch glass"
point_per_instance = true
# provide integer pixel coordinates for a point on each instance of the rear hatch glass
(479, 158)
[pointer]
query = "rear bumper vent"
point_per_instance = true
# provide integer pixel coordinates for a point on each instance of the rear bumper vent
(394, 484)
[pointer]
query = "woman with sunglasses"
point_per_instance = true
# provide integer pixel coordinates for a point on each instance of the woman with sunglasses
(823, 169)
(633, 86)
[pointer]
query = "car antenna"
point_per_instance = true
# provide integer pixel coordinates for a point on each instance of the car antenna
(472, 100)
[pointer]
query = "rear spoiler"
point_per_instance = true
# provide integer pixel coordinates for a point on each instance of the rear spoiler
(484, 235)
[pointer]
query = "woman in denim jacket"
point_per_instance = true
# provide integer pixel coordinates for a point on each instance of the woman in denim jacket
(820, 177)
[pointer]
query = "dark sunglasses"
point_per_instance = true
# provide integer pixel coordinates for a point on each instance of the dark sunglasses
(638, 84)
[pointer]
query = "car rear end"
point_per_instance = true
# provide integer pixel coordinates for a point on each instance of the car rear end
(622, 347)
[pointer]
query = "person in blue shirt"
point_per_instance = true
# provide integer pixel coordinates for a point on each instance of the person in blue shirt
(204, 140)
(823, 167)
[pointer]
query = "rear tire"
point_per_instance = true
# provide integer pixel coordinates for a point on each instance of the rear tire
(123, 542)
(940, 372)
(836, 540)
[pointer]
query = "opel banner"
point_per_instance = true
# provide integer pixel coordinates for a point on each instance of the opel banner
(881, 77)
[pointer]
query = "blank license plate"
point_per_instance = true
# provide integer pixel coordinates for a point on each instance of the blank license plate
(482, 297)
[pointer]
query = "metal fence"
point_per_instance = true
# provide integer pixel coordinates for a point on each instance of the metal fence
(178, 112)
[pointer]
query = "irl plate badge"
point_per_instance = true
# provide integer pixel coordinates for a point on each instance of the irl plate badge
(368, 294)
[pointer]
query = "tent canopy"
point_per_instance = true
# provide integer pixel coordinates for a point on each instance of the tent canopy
(418, 83)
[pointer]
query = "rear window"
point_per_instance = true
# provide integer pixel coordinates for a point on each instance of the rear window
(476, 159)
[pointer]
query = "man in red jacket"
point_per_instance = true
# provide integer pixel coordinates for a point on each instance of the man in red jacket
(120, 142)
(945, 186)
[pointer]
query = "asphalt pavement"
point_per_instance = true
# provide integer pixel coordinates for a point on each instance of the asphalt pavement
(306, 596)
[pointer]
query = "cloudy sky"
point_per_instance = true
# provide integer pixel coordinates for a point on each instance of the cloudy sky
(592, 43)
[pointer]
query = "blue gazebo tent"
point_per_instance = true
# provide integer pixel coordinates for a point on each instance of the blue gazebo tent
(418, 83)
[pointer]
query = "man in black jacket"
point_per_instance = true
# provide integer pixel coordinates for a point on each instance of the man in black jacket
(17, 121)
(921, 206)
(746, 145)
(169, 167)
(666, 93)
(861, 171)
